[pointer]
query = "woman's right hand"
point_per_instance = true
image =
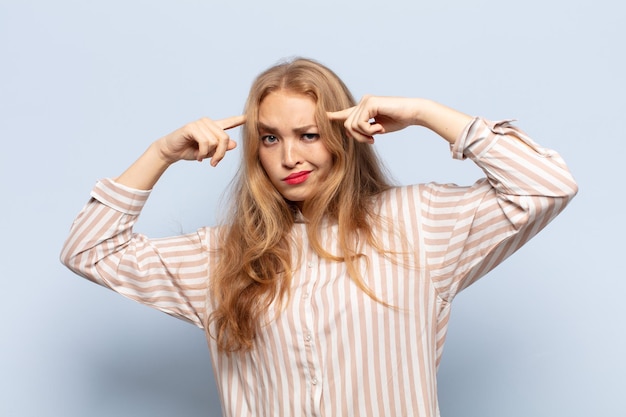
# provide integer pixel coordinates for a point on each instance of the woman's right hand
(204, 138)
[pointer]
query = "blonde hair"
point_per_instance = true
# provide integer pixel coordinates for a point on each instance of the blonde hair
(254, 266)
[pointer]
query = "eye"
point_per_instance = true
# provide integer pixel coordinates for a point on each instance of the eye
(269, 139)
(310, 136)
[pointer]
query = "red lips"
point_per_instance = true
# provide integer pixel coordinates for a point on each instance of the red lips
(297, 177)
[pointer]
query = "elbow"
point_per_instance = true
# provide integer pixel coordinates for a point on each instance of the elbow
(568, 184)
(558, 190)
(574, 191)
(539, 208)
(69, 259)
(76, 261)
(546, 208)
(570, 191)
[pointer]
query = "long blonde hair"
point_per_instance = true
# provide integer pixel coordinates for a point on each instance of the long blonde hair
(254, 266)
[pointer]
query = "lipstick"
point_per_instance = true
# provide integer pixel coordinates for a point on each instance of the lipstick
(297, 177)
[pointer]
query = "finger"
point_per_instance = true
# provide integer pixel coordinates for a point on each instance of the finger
(206, 134)
(355, 132)
(231, 122)
(359, 137)
(350, 116)
(368, 126)
(340, 115)
(223, 142)
(194, 135)
(364, 119)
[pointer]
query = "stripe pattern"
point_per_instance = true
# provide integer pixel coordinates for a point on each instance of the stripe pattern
(332, 350)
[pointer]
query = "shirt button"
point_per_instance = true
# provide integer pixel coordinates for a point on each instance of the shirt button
(307, 337)
(314, 381)
(310, 264)
(305, 294)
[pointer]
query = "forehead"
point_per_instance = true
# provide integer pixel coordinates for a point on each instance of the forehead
(284, 108)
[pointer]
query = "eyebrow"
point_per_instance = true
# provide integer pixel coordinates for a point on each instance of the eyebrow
(302, 129)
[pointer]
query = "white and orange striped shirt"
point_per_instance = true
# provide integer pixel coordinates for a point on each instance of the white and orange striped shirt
(332, 350)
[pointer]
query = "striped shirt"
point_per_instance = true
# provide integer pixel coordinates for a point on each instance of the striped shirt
(332, 350)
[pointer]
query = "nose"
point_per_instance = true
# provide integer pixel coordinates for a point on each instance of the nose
(291, 153)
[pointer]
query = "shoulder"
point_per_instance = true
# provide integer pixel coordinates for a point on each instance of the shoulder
(393, 201)
(428, 194)
(410, 193)
(211, 233)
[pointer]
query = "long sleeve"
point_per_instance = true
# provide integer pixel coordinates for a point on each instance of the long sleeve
(169, 274)
(470, 230)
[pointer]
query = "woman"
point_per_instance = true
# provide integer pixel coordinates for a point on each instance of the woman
(327, 291)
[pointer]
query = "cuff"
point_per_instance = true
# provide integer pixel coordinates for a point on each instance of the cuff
(471, 142)
(120, 197)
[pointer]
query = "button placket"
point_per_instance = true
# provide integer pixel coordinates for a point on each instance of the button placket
(305, 291)
(311, 271)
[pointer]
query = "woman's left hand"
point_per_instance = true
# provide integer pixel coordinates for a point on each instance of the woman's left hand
(377, 115)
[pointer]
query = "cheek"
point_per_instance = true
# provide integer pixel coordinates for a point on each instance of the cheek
(323, 156)
(267, 162)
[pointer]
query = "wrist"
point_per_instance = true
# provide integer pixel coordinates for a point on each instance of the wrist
(444, 121)
(424, 112)
(145, 171)
(158, 156)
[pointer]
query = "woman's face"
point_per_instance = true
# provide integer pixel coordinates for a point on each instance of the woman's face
(291, 151)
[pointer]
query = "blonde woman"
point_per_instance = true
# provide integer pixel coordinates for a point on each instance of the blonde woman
(328, 290)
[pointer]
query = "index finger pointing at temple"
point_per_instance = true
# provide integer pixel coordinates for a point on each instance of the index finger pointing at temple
(340, 115)
(231, 122)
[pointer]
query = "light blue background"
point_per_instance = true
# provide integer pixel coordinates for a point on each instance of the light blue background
(86, 86)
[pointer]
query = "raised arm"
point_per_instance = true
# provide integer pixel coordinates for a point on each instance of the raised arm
(472, 229)
(199, 140)
(170, 273)
(378, 115)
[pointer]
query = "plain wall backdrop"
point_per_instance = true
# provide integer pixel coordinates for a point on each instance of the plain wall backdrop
(85, 87)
